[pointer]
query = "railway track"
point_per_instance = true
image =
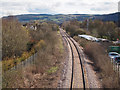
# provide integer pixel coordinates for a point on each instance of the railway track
(77, 75)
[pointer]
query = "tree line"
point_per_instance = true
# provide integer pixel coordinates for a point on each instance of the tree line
(108, 30)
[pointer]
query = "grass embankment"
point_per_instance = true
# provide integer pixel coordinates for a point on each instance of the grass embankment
(47, 66)
(101, 63)
(45, 72)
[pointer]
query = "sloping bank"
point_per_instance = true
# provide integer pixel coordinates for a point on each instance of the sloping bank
(46, 69)
(100, 62)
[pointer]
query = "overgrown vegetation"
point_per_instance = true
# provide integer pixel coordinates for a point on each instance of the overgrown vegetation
(45, 40)
(47, 65)
(73, 28)
(20, 42)
(107, 30)
(101, 63)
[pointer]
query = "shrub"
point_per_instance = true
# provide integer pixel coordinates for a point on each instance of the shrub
(25, 55)
(81, 41)
(79, 32)
(102, 65)
(73, 28)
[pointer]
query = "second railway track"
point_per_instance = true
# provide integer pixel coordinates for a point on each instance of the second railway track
(77, 75)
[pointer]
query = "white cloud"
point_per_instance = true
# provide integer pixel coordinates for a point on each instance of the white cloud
(58, 6)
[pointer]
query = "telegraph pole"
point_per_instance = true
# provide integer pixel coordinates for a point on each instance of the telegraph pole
(88, 20)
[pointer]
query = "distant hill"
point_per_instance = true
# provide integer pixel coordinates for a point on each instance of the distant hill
(108, 17)
(59, 18)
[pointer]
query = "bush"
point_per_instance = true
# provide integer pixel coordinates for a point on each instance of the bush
(79, 32)
(81, 41)
(102, 65)
(40, 45)
(73, 28)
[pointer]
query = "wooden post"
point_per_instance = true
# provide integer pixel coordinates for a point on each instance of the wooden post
(118, 69)
(113, 65)
(116, 66)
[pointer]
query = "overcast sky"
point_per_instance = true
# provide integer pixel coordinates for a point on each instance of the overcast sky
(14, 7)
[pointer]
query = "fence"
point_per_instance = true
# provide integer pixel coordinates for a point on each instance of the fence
(30, 60)
(116, 66)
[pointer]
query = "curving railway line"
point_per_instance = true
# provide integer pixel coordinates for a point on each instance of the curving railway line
(77, 75)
